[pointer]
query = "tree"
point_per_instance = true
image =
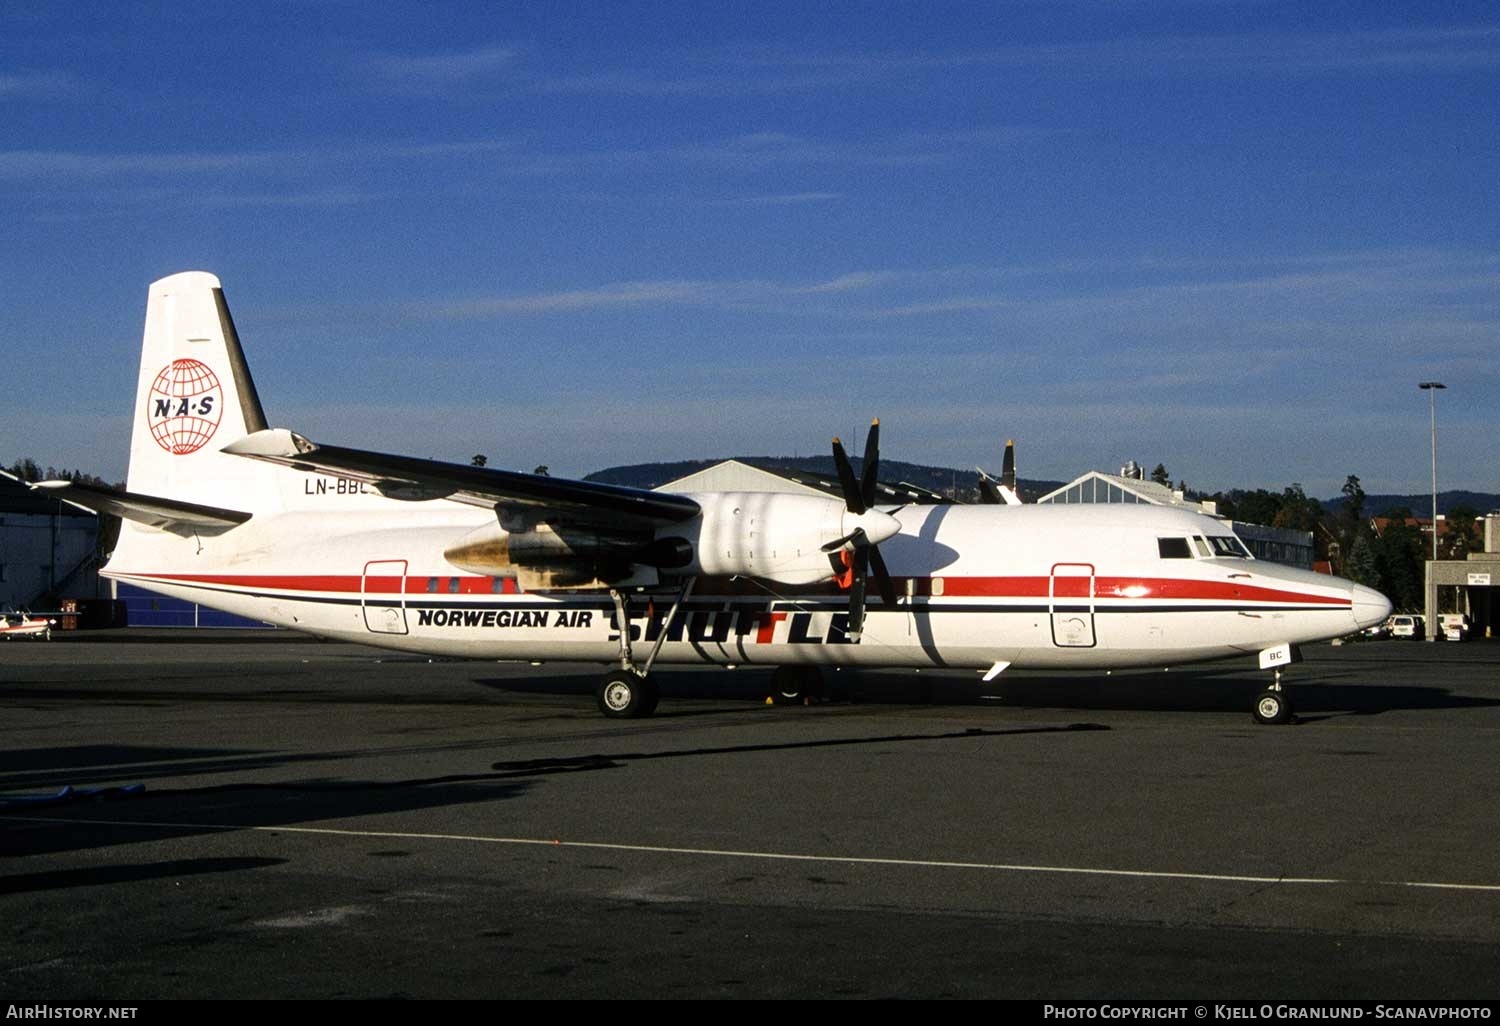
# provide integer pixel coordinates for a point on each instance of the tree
(1398, 560)
(1297, 512)
(541, 471)
(1362, 567)
(1352, 522)
(1160, 475)
(1354, 499)
(27, 470)
(479, 460)
(1462, 536)
(1257, 507)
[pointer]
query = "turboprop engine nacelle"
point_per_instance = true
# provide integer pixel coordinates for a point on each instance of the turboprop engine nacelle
(773, 535)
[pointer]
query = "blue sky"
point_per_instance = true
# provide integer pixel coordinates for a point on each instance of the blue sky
(1229, 237)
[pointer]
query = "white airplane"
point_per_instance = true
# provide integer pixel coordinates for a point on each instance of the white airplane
(467, 561)
(21, 624)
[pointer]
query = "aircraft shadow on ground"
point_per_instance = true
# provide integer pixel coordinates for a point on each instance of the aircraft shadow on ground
(36, 826)
(1207, 690)
(124, 873)
(48, 822)
(616, 760)
(79, 790)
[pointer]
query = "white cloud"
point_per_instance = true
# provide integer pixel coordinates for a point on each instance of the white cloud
(427, 72)
(37, 85)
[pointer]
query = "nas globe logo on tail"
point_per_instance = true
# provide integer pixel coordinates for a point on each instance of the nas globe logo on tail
(184, 406)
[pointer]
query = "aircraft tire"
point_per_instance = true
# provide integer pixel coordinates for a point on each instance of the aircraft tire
(791, 685)
(623, 695)
(1272, 707)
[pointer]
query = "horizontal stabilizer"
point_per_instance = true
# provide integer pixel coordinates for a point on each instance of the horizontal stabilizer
(164, 514)
(508, 492)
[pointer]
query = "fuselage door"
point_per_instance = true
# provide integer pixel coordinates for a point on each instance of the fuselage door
(383, 596)
(1071, 603)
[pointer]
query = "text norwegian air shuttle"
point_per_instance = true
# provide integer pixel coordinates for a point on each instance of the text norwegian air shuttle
(457, 560)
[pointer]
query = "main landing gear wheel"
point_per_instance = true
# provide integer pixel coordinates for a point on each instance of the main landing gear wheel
(624, 695)
(793, 685)
(1272, 707)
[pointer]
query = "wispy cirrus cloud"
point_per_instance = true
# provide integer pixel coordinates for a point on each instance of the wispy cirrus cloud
(1462, 48)
(35, 85)
(437, 71)
(741, 293)
(789, 199)
(617, 294)
(52, 164)
(747, 152)
(80, 164)
(852, 282)
(770, 69)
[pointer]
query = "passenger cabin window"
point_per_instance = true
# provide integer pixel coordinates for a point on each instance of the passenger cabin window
(1173, 548)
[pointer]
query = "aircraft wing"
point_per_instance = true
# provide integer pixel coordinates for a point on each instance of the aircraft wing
(153, 511)
(524, 495)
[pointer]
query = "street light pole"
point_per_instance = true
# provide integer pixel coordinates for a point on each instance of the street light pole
(1431, 388)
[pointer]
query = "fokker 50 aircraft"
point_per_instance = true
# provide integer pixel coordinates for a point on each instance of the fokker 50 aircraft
(440, 558)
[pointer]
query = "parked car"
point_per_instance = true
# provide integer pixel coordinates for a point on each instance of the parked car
(1404, 625)
(1454, 626)
(1379, 630)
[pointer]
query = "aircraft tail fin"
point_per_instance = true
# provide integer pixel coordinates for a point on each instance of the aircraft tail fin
(194, 396)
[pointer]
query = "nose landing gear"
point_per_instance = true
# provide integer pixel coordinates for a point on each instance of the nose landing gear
(1274, 705)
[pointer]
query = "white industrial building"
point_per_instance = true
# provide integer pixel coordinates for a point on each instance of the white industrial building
(1473, 580)
(1273, 544)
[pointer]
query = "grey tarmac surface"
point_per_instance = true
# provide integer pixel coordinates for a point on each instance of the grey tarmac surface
(324, 820)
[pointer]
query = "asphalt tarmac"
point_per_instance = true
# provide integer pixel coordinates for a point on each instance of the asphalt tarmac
(320, 820)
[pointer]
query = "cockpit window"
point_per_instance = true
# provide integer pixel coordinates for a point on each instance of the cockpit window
(1173, 548)
(1229, 545)
(1201, 546)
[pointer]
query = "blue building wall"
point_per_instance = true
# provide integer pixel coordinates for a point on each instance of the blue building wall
(149, 609)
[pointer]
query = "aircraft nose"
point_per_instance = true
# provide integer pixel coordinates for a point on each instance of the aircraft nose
(1370, 607)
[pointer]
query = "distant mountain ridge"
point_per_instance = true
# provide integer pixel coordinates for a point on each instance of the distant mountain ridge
(1421, 503)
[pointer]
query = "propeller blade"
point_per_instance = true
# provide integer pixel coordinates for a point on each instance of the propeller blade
(871, 465)
(857, 591)
(882, 577)
(859, 499)
(988, 494)
(847, 480)
(1008, 469)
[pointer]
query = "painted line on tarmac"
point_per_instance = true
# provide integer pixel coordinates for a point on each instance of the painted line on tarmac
(847, 860)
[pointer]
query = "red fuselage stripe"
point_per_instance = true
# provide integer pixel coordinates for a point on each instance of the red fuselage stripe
(1136, 588)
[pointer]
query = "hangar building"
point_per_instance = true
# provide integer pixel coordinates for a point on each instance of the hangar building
(1273, 544)
(48, 549)
(1474, 580)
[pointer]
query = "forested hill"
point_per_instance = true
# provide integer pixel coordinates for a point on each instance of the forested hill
(949, 480)
(1421, 504)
